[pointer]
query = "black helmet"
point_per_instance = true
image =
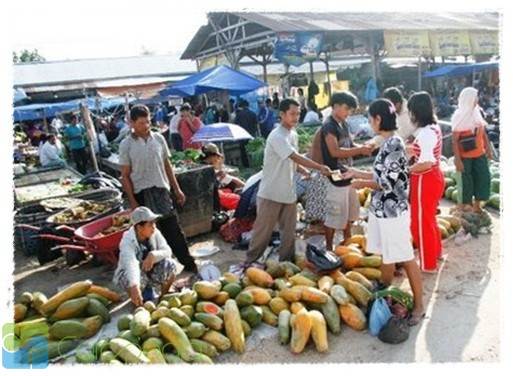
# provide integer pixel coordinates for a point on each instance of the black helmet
(321, 260)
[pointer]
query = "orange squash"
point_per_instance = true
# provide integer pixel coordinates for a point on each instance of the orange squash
(319, 331)
(343, 250)
(353, 316)
(313, 295)
(301, 328)
(260, 296)
(290, 295)
(351, 260)
(259, 277)
(325, 283)
(105, 292)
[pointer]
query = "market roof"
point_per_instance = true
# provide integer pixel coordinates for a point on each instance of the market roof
(329, 21)
(261, 27)
(74, 71)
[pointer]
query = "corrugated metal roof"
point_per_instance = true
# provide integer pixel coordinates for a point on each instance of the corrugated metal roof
(340, 21)
(329, 21)
(68, 71)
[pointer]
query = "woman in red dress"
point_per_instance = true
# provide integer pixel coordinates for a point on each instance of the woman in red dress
(426, 181)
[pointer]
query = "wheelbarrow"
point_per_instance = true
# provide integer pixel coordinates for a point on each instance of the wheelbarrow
(88, 239)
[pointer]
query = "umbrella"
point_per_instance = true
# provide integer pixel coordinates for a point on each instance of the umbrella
(219, 132)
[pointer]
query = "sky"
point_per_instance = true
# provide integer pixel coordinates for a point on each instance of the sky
(74, 30)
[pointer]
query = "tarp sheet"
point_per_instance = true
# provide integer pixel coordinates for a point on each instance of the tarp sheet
(217, 78)
(47, 110)
(461, 70)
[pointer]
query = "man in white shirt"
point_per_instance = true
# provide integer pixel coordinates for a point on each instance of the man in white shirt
(49, 154)
(312, 116)
(276, 199)
(175, 140)
(405, 127)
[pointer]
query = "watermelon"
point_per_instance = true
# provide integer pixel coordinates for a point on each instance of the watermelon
(495, 201)
(495, 185)
(448, 192)
(455, 195)
(449, 182)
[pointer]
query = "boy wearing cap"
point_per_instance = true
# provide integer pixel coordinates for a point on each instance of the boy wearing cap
(144, 258)
(210, 154)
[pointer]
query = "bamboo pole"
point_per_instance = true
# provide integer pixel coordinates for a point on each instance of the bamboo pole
(86, 117)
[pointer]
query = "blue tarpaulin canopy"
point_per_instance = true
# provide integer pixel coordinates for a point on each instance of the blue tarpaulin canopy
(461, 70)
(19, 95)
(46, 110)
(216, 78)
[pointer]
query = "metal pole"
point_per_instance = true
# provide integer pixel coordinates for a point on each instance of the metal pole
(419, 76)
(86, 116)
(328, 74)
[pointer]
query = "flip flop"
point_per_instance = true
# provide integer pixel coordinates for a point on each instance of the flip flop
(414, 320)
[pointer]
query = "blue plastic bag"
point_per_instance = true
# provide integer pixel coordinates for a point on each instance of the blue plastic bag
(379, 316)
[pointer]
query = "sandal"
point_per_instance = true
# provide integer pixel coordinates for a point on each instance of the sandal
(414, 319)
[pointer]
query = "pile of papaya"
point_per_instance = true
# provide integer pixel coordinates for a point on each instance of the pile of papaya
(197, 324)
(75, 313)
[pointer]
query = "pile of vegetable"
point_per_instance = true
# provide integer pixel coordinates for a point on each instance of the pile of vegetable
(189, 158)
(305, 138)
(255, 149)
(120, 222)
(196, 325)
(81, 212)
(75, 313)
(451, 189)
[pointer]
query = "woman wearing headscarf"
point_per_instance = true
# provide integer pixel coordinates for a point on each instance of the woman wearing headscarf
(426, 181)
(471, 149)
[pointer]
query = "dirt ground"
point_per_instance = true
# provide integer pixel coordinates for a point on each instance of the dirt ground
(462, 299)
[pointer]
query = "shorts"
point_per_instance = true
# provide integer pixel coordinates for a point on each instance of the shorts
(342, 206)
(156, 277)
(390, 237)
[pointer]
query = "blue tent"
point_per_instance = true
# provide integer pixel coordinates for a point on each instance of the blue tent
(19, 95)
(461, 70)
(46, 110)
(216, 78)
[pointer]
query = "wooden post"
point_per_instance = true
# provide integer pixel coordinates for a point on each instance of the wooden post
(86, 117)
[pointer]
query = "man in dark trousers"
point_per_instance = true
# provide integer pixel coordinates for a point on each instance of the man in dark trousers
(248, 120)
(147, 178)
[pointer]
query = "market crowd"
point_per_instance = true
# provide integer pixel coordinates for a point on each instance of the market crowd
(406, 179)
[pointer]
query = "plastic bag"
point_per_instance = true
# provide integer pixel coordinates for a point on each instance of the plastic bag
(379, 316)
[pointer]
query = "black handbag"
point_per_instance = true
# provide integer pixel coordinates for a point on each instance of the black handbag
(468, 143)
(322, 260)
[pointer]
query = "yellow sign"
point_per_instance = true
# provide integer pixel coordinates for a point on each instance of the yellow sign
(213, 61)
(450, 43)
(407, 43)
(484, 42)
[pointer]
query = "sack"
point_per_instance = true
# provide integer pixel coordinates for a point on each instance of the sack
(395, 331)
(379, 316)
(322, 260)
(468, 143)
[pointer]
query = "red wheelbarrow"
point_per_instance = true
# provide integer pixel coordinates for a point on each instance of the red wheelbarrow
(88, 239)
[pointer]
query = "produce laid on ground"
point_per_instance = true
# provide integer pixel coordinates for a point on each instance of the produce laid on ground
(71, 315)
(451, 189)
(196, 325)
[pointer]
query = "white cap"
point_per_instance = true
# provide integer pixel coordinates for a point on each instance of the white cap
(143, 214)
